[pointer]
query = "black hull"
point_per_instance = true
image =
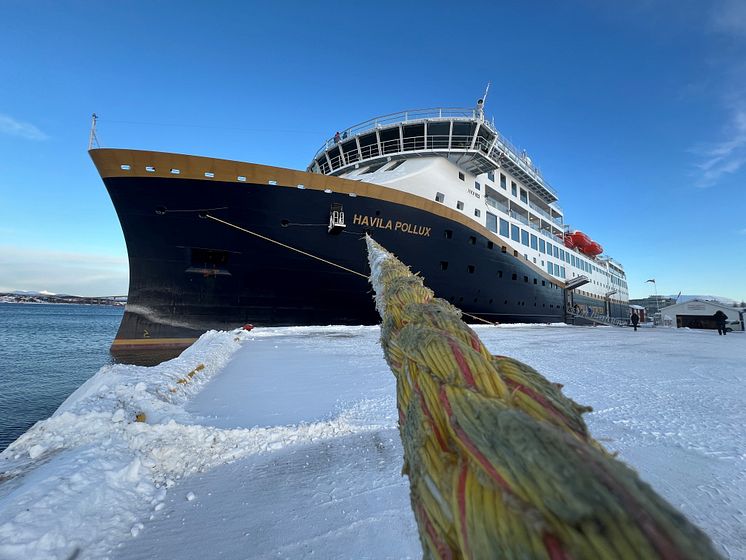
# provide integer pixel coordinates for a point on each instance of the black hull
(189, 274)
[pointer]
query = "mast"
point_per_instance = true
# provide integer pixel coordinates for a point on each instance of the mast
(481, 102)
(92, 136)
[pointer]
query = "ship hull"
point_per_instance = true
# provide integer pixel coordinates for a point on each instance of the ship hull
(189, 273)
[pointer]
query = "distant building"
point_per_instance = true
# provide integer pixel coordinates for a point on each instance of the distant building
(699, 314)
(649, 303)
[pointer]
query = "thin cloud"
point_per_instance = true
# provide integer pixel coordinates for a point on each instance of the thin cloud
(13, 127)
(725, 157)
(729, 18)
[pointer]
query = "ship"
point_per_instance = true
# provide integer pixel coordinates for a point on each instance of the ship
(218, 244)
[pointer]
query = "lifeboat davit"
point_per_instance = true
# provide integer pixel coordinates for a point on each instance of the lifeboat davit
(569, 243)
(580, 240)
(593, 249)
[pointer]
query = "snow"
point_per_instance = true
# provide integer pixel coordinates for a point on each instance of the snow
(285, 443)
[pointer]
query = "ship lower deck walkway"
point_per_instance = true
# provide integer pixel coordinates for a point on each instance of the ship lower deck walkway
(597, 319)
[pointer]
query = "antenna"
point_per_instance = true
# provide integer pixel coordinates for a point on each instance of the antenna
(486, 91)
(480, 103)
(92, 137)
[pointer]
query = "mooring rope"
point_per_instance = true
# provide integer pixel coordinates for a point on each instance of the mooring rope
(500, 462)
(211, 217)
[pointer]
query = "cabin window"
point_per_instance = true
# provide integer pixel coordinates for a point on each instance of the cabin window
(491, 175)
(524, 196)
(534, 241)
(524, 237)
(504, 228)
(440, 197)
(549, 249)
(515, 232)
(461, 176)
(477, 186)
(448, 233)
(550, 268)
(460, 205)
(513, 188)
(503, 181)
(477, 212)
(542, 246)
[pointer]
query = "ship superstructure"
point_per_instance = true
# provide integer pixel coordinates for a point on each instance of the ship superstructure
(458, 158)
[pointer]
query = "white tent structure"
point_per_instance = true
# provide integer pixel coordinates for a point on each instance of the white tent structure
(699, 314)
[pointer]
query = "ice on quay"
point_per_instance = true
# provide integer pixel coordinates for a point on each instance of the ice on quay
(283, 442)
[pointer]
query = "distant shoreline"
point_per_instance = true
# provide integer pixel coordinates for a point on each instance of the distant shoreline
(61, 300)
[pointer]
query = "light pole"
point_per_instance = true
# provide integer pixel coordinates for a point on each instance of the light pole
(657, 306)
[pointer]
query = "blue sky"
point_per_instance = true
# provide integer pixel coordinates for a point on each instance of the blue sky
(635, 114)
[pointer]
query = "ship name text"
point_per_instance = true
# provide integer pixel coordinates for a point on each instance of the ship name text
(382, 223)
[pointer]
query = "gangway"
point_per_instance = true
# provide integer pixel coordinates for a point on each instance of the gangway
(600, 319)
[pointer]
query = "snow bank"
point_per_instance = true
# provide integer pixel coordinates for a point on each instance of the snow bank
(285, 443)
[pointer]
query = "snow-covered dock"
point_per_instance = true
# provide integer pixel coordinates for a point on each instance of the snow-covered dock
(285, 443)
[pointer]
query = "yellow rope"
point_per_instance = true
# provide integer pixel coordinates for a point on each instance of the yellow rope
(500, 462)
(284, 245)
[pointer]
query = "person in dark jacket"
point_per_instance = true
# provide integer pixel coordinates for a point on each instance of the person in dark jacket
(635, 319)
(720, 319)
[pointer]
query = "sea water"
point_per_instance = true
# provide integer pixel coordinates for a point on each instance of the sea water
(46, 352)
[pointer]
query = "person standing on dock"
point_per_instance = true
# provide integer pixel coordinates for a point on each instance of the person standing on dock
(635, 319)
(720, 319)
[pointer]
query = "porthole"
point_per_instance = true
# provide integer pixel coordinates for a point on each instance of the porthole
(161, 210)
(470, 268)
(443, 265)
(514, 276)
(284, 223)
(209, 174)
(241, 178)
(448, 234)
(174, 171)
(472, 240)
(490, 244)
(150, 169)
(125, 167)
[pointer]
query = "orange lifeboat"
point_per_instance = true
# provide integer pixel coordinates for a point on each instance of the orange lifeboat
(580, 240)
(593, 249)
(569, 243)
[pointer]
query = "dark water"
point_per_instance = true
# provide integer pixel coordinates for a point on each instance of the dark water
(46, 352)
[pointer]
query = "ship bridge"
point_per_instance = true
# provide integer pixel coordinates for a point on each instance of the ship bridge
(463, 136)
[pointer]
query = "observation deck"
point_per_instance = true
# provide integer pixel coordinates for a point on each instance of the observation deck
(463, 136)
